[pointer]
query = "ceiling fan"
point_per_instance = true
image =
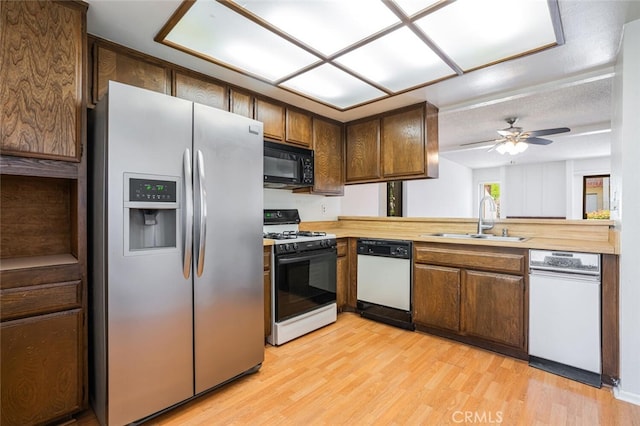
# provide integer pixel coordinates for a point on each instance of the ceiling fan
(514, 140)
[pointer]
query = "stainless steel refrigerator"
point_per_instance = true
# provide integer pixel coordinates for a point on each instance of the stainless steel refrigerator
(176, 283)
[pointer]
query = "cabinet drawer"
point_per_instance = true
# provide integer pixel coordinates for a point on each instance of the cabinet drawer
(40, 299)
(485, 260)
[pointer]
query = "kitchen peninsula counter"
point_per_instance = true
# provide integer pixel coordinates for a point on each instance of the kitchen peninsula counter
(593, 236)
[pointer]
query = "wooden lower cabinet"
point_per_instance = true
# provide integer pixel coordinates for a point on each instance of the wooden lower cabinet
(342, 275)
(453, 298)
(42, 367)
(267, 292)
(493, 307)
(436, 296)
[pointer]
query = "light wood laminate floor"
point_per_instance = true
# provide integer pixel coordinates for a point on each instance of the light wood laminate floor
(361, 372)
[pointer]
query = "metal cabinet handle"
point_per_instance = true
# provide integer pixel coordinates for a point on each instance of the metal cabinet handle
(202, 201)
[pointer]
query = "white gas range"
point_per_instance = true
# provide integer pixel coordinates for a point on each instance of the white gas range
(303, 277)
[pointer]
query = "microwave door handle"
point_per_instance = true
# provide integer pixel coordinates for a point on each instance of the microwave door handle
(187, 211)
(202, 202)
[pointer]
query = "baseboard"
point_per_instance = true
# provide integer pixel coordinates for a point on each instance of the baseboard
(622, 395)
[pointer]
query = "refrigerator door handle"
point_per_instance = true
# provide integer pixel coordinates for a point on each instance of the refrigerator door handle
(188, 215)
(202, 202)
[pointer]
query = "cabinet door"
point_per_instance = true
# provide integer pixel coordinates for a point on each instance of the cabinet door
(493, 307)
(41, 368)
(342, 279)
(241, 103)
(41, 95)
(124, 68)
(201, 91)
(403, 143)
(272, 117)
(267, 291)
(363, 151)
(327, 145)
(436, 296)
(298, 128)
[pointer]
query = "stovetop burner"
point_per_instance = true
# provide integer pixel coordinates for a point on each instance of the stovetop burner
(291, 235)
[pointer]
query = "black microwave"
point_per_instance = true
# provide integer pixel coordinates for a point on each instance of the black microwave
(287, 166)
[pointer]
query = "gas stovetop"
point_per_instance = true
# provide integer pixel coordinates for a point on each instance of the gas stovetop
(292, 234)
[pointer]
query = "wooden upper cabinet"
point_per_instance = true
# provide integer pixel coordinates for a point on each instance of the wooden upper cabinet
(272, 117)
(298, 127)
(201, 91)
(406, 148)
(328, 164)
(403, 143)
(121, 66)
(363, 151)
(42, 57)
(241, 103)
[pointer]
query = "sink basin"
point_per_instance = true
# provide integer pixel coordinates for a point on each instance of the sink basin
(487, 237)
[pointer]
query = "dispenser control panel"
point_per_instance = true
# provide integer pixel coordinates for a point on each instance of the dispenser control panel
(151, 190)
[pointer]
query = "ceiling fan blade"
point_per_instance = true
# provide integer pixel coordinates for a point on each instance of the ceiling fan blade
(505, 132)
(538, 141)
(546, 132)
(481, 142)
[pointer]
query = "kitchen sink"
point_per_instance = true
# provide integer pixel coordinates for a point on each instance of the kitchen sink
(488, 237)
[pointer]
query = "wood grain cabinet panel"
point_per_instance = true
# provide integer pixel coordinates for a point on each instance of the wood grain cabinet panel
(273, 119)
(436, 296)
(363, 151)
(26, 301)
(267, 291)
(498, 261)
(298, 127)
(41, 368)
(403, 143)
(201, 91)
(493, 307)
(42, 61)
(328, 148)
(119, 66)
(241, 103)
(342, 272)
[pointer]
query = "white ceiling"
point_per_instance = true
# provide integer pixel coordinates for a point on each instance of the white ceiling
(565, 86)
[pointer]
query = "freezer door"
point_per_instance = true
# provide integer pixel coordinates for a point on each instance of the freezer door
(148, 299)
(228, 287)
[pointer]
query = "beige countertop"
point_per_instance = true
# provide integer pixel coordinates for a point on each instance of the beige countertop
(549, 234)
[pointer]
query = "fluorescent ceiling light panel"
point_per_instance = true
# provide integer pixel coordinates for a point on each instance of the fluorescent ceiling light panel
(214, 31)
(333, 86)
(475, 33)
(327, 26)
(397, 61)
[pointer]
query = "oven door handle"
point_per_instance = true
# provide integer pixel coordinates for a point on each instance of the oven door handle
(298, 258)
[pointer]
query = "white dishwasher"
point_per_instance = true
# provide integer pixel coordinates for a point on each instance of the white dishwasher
(384, 281)
(564, 314)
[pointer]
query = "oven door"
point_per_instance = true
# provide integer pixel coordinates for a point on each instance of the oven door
(304, 282)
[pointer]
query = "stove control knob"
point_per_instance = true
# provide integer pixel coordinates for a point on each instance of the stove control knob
(295, 246)
(287, 247)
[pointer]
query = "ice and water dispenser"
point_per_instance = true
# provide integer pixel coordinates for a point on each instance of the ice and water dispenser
(150, 212)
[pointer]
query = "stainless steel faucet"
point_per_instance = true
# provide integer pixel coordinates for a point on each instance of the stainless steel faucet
(482, 225)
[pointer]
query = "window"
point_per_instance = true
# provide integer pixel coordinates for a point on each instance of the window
(595, 200)
(492, 189)
(394, 198)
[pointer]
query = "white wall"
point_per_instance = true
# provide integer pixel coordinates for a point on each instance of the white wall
(310, 207)
(625, 190)
(451, 195)
(367, 199)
